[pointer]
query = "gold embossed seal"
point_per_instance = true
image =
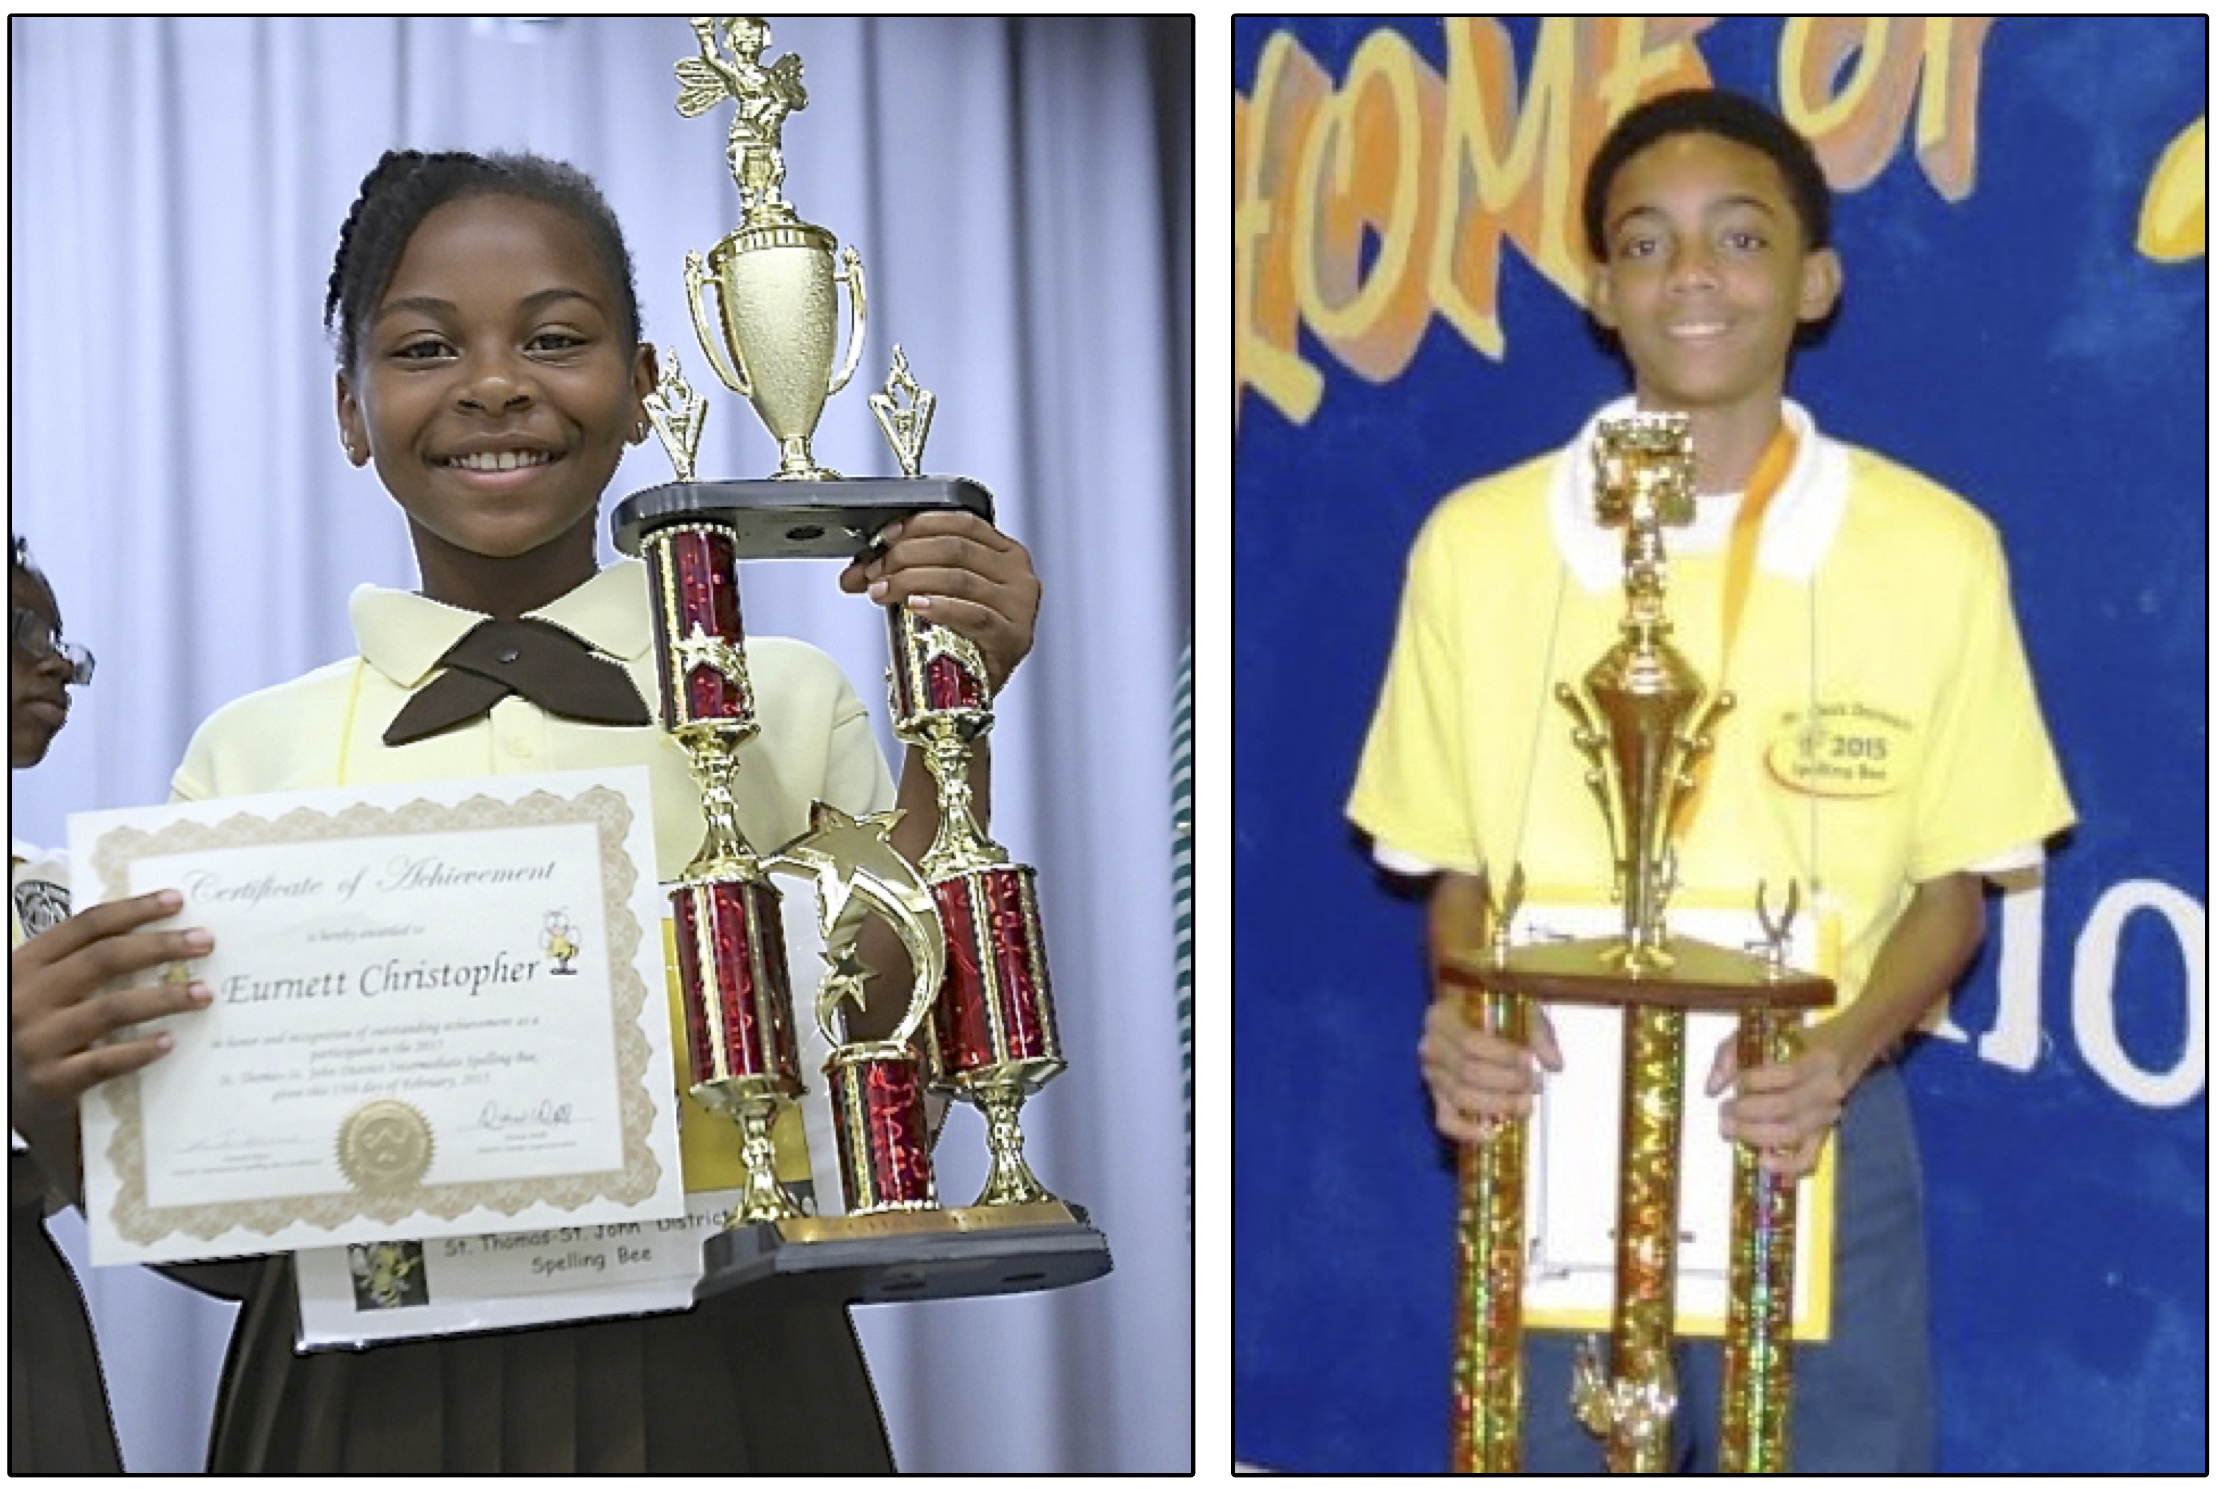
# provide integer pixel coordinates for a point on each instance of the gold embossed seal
(385, 1145)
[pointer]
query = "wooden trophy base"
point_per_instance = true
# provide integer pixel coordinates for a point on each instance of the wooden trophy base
(905, 1255)
(1697, 977)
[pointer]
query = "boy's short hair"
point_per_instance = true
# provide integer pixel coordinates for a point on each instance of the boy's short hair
(1728, 115)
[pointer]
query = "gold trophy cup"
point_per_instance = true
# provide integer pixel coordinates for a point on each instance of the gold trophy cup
(1643, 718)
(775, 275)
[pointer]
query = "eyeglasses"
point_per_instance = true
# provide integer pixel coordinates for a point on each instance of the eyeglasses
(38, 640)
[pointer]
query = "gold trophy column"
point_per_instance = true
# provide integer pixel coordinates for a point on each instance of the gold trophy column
(1488, 1297)
(1758, 1358)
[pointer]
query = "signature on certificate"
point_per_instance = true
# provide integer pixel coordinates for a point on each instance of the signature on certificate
(232, 1140)
(540, 1117)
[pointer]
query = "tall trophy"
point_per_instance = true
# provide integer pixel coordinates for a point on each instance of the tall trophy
(1643, 720)
(978, 1025)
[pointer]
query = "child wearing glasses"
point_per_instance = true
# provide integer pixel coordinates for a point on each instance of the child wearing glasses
(58, 1413)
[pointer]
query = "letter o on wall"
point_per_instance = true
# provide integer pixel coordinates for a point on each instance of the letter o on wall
(2095, 1021)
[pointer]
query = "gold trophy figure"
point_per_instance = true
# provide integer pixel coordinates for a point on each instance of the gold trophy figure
(775, 275)
(1642, 725)
(964, 907)
(764, 96)
(1643, 713)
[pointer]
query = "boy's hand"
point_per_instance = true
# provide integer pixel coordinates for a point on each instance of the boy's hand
(1476, 1077)
(56, 1012)
(956, 570)
(1783, 1109)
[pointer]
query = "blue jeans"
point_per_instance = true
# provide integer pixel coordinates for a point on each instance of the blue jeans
(1863, 1400)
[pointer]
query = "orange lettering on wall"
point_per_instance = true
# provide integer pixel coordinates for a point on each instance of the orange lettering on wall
(1288, 91)
(1643, 56)
(1500, 169)
(1853, 83)
(1367, 193)
(1516, 156)
(1513, 161)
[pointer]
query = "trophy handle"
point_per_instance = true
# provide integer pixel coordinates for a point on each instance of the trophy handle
(692, 268)
(852, 273)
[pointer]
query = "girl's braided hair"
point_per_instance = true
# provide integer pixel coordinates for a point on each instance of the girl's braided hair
(406, 185)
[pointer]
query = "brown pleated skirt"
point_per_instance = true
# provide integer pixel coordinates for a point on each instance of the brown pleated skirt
(717, 1389)
(58, 1416)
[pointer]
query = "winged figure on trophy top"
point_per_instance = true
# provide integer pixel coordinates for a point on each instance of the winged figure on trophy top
(764, 96)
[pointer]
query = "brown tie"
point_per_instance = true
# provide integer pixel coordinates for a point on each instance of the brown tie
(543, 663)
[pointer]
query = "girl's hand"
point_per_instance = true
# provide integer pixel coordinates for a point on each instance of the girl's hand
(956, 570)
(1476, 1077)
(56, 1011)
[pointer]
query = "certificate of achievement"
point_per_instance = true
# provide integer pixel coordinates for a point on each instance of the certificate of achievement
(1570, 1194)
(439, 1010)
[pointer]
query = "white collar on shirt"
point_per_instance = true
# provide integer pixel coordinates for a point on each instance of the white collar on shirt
(403, 635)
(1797, 530)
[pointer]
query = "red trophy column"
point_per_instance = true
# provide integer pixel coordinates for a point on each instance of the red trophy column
(996, 1040)
(734, 969)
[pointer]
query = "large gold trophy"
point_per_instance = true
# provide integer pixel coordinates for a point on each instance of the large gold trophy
(1643, 718)
(977, 1024)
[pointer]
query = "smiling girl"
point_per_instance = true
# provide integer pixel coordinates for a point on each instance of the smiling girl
(492, 372)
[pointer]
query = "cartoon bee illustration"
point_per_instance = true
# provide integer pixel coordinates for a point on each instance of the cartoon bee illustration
(387, 1274)
(560, 941)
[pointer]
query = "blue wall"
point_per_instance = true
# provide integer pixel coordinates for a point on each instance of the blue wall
(2032, 334)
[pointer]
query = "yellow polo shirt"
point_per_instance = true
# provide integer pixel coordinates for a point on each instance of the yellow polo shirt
(1885, 729)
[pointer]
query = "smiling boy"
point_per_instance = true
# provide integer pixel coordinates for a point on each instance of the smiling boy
(1886, 750)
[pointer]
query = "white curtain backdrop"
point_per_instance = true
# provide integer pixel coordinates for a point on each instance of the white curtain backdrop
(1020, 191)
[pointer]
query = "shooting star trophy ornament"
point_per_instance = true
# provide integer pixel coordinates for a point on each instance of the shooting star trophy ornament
(976, 1023)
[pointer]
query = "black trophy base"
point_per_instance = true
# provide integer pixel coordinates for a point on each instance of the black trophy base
(905, 1256)
(796, 519)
